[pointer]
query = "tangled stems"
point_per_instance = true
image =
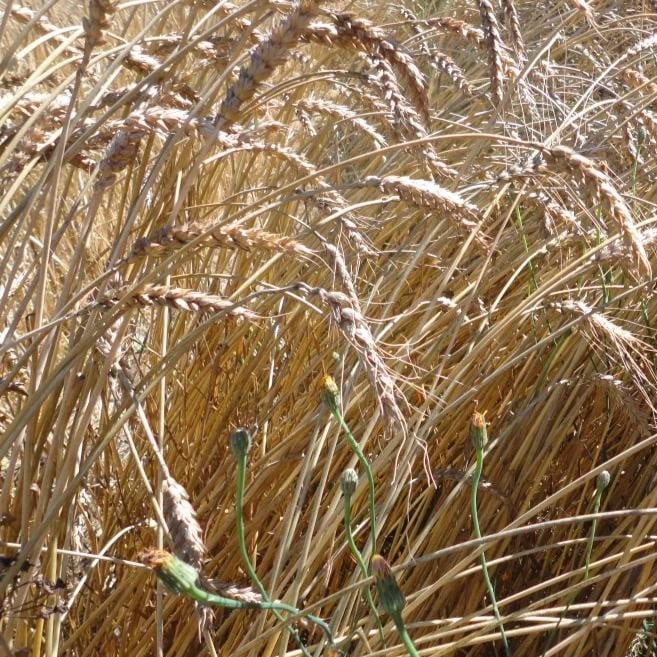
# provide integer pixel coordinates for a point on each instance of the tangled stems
(348, 482)
(331, 398)
(392, 600)
(479, 438)
(240, 443)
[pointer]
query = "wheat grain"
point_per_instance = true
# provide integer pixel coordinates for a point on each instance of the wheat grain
(360, 34)
(270, 54)
(97, 23)
(577, 163)
(513, 22)
(355, 329)
(495, 47)
(343, 113)
(233, 236)
(184, 529)
(173, 297)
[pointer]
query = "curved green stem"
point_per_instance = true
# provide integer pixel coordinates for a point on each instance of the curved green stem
(275, 607)
(405, 636)
(368, 473)
(587, 564)
(476, 476)
(361, 564)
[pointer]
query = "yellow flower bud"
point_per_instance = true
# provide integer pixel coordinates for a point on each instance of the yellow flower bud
(478, 433)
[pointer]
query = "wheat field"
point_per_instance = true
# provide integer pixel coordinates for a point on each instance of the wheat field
(448, 207)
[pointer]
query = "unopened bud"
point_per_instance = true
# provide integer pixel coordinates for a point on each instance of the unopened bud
(348, 482)
(329, 393)
(478, 433)
(602, 481)
(240, 441)
(390, 596)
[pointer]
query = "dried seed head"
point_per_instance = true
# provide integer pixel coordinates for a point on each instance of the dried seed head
(348, 482)
(390, 596)
(329, 393)
(478, 433)
(602, 481)
(240, 442)
(180, 516)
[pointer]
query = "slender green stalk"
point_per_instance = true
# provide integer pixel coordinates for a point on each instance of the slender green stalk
(240, 442)
(601, 484)
(348, 482)
(479, 438)
(331, 398)
(405, 637)
(392, 600)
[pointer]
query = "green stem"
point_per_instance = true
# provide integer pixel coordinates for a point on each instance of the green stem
(587, 564)
(405, 636)
(267, 604)
(476, 476)
(368, 473)
(361, 564)
(594, 526)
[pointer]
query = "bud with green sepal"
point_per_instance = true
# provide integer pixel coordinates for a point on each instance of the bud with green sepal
(240, 441)
(348, 482)
(329, 393)
(602, 481)
(183, 579)
(392, 599)
(478, 432)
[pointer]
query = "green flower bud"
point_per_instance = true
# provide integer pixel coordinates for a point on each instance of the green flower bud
(478, 433)
(390, 596)
(602, 481)
(176, 575)
(329, 393)
(348, 482)
(240, 441)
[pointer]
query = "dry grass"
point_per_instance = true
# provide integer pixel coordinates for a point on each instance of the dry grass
(206, 207)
